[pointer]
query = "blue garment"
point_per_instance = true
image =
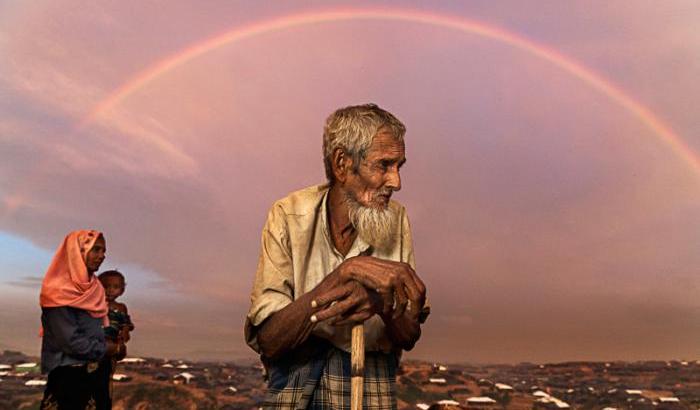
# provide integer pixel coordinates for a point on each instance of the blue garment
(71, 337)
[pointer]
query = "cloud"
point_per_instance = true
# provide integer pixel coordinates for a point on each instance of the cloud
(31, 282)
(537, 203)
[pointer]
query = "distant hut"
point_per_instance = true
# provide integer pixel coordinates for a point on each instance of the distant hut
(230, 391)
(669, 403)
(183, 378)
(484, 383)
(481, 402)
(439, 367)
(448, 402)
(24, 368)
(120, 377)
(445, 405)
(502, 387)
(550, 403)
(132, 360)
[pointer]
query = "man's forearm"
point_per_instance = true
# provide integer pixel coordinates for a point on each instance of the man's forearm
(286, 329)
(291, 326)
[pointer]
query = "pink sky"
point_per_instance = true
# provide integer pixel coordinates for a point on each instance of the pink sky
(550, 221)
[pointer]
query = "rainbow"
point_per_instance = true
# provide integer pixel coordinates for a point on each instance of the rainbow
(586, 75)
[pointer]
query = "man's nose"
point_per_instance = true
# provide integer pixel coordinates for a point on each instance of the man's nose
(393, 180)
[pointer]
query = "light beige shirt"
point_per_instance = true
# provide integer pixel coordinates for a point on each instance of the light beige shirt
(297, 253)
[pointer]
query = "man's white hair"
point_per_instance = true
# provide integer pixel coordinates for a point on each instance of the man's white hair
(352, 129)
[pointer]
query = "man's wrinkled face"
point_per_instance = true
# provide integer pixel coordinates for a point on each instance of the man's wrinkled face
(369, 189)
(96, 255)
(378, 174)
(114, 287)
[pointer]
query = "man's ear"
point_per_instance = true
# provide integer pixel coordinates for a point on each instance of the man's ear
(341, 164)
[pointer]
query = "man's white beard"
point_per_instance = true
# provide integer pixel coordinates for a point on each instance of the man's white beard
(374, 226)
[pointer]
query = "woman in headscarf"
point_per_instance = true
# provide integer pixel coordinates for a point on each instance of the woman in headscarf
(73, 313)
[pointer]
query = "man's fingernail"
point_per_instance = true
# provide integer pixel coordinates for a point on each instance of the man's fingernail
(314, 319)
(314, 304)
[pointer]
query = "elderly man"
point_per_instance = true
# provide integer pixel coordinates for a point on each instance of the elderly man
(332, 256)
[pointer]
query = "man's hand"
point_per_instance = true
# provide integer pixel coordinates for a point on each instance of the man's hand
(396, 282)
(360, 287)
(363, 286)
(349, 303)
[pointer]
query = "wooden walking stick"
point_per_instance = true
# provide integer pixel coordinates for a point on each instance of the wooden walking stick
(357, 366)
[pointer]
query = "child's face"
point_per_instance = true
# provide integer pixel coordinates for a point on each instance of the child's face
(114, 287)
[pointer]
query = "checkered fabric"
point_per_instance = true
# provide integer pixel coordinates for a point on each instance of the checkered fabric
(322, 381)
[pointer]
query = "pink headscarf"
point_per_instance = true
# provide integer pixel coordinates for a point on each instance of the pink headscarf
(66, 282)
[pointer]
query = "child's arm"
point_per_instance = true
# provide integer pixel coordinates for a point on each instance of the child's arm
(126, 326)
(129, 324)
(121, 350)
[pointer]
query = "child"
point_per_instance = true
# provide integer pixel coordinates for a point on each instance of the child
(118, 330)
(119, 321)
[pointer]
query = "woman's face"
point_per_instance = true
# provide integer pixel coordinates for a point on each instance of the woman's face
(96, 255)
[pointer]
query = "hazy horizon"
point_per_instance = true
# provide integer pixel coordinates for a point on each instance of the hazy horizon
(552, 182)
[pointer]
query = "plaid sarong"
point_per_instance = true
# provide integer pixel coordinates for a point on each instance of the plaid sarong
(320, 379)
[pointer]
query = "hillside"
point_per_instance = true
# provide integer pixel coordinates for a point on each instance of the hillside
(150, 383)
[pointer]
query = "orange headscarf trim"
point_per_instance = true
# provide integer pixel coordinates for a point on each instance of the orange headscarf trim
(67, 283)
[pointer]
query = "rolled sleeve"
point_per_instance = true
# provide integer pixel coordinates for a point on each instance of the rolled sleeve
(273, 288)
(409, 257)
(407, 254)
